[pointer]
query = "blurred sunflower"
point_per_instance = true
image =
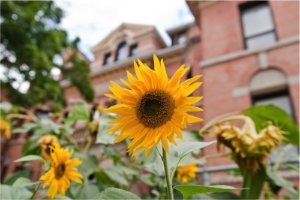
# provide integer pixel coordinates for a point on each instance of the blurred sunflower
(46, 142)
(5, 129)
(186, 173)
(100, 109)
(61, 172)
(154, 108)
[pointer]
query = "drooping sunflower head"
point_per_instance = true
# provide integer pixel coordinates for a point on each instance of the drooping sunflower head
(5, 129)
(246, 144)
(62, 171)
(186, 173)
(46, 142)
(153, 108)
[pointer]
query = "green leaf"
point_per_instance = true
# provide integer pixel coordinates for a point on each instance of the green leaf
(30, 158)
(187, 147)
(89, 163)
(153, 162)
(103, 179)
(51, 127)
(78, 113)
(22, 182)
(58, 197)
(129, 171)
(83, 191)
(8, 192)
(202, 196)
(31, 147)
(11, 179)
(281, 182)
(189, 190)
(112, 153)
(224, 195)
(263, 115)
(6, 106)
(107, 138)
(115, 174)
(26, 127)
(191, 136)
(114, 193)
(254, 183)
(293, 167)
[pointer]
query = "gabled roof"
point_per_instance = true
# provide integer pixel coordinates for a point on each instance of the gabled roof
(130, 32)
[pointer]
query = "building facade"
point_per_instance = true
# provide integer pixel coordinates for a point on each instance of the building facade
(248, 53)
(249, 56)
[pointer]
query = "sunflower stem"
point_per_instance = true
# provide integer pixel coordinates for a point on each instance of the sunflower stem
(169, 183)
(159, 152)
(36, 189)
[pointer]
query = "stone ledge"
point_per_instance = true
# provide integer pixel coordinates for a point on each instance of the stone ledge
(247, 52)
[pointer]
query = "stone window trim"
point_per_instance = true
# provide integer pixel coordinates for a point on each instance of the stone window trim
(252, 33)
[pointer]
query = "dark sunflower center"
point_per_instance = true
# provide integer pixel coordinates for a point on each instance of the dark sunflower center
(155, 108)
(152, 107)
(60, 170)
(48, 149)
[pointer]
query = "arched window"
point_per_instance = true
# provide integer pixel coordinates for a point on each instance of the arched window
(270, 86)
(122, 51)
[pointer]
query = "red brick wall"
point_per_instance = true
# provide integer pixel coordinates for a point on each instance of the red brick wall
(286, 18)
(221, 29)
(221, 34)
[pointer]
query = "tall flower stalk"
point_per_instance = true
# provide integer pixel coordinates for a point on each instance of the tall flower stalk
(153, 109)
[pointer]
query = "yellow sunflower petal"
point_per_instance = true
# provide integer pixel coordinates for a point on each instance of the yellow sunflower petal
(154, 108)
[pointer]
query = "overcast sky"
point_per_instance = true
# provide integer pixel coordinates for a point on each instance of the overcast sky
(92, 20)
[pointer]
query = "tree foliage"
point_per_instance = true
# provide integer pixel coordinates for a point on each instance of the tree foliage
(31, 39)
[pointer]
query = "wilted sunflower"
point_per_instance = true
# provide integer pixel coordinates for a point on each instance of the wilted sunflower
(5, 129)
(154, 108)
(46, 142)
(248, 146)
(61, 172)
(186, 173)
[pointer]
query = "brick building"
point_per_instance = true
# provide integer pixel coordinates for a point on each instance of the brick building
(248, 53)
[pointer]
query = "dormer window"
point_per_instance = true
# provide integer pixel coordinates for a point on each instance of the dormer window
(133, 50)
(121, 52)
(107, 59)
(179, 38)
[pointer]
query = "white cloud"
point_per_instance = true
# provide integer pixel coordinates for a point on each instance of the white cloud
(92, 20)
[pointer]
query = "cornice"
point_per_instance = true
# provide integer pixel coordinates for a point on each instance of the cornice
(247, 52)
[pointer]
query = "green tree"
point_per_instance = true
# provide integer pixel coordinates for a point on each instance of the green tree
(30, 41)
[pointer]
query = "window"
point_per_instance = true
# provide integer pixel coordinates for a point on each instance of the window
(280, 99)
(133, 50)
(107, 59)
(179, 38)
(122, 51)
(258, 26)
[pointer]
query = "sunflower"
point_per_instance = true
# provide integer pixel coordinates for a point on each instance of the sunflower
(186, 173)
(248, 146)
(5, 129)
(61, 172)
(154, 108)
(46, 142)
